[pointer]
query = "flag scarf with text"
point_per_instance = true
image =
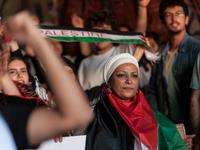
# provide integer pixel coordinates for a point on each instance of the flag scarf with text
(68, 34)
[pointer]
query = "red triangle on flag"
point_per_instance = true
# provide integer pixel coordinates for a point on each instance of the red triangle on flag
(143, 38)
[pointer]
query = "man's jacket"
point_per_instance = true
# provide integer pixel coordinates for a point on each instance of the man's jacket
(182, 72)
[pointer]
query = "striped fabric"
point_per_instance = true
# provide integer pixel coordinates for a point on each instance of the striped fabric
(68, 34)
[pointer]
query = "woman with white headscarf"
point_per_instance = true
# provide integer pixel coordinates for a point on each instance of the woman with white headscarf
(124, 120)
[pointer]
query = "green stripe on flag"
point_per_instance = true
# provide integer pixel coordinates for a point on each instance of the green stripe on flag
(96, 39)
(168, 135)
(67, 34)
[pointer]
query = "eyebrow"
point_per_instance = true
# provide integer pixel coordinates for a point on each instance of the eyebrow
(125, 71)
(11, 69)
(175, 12)
(16, 69)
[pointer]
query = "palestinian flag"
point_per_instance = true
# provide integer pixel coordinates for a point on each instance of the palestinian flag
(151, 129)
(69, 34)
(168, 135)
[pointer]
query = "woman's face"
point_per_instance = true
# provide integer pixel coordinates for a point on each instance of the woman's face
(17, 71)
(124, 81)
(56, 46)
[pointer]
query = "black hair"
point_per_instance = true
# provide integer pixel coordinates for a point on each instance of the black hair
(18, 58)
(172, 3)
(158, 38)
(100, 18)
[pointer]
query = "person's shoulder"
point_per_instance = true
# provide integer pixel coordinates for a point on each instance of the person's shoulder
(192, 45)
(83, 64)
(91, 61)
(163, 48)
(86, 60)
(193, 40)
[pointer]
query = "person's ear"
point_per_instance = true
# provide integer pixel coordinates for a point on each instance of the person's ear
(186, 20)
(109, 85)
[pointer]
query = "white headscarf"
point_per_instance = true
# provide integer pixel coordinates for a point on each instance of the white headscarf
(116, 61)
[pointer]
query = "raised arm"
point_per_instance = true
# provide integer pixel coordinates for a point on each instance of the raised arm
(195, 101)
(141, 18)
(78, 23)
(195, 114)
(72, 105)
(141, 25)
(195, 110)
(139, 50)
(7, 85)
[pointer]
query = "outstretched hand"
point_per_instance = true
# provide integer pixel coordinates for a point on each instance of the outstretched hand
(4, 61)
(21, 28)
(6, 84)
(4, 58)
(143, 3)
(58, 139)
(77, 21)
(188, 141)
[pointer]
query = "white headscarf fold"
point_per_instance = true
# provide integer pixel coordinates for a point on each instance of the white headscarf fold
(116, 61)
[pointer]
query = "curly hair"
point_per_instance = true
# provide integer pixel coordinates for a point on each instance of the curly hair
(100, 18)
(172, 3)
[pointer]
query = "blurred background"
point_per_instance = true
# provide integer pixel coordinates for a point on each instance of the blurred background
(58, 12)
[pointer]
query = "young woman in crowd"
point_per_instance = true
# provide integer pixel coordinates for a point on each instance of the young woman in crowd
(23, 127)
(17, 71)
(16, 68)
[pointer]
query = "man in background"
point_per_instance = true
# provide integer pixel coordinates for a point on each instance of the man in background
(90, 72)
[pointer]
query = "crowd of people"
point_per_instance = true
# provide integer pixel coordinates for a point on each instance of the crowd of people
(122, 96)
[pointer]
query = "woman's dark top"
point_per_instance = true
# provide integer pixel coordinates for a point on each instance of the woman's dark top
(108, 130)
(16, 112)
(16, 118)
(94, 93)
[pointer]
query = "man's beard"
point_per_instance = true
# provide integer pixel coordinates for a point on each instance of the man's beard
(171, 32)
(174, 32)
